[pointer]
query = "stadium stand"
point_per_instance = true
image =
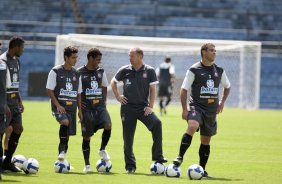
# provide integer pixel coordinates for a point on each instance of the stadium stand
(40, 21)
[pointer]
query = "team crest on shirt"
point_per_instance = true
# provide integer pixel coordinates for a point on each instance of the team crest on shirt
(94, 84)
(99, 75)
(69, 86)
(15, 77)
(210, 83)
(127, 82)
(145, 75)
(74, 78)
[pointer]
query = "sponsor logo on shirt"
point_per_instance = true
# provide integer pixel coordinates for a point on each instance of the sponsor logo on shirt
(68, 92)
(210, 89)
(94, 89)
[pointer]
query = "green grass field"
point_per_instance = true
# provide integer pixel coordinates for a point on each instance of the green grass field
(246, 149)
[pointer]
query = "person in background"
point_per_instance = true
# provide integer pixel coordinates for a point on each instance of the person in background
(166, 75)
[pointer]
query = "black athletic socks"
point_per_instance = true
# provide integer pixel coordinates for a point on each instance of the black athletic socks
(63, 134)
(167, 101)
(161, 104)
(86, 151)
(105, 138)
(185, 143)
(204, 152)
(12, 146)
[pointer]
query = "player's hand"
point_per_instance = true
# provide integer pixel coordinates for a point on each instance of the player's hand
(148, 110)
(61, 109)
(122, 99)
(220, 107)
(83, 105)
(21, 107)
(7, 111)
(80, 116)
(185, 115)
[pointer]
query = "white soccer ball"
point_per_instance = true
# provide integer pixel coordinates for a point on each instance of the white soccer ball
(62, 166)
(31, 166)
(172, 171)
(195, 172)
(18, 160)
(103, 166)
(157, 168)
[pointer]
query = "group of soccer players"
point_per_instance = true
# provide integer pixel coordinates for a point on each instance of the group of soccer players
(85, 89)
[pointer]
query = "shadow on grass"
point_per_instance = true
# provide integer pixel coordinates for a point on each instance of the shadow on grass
(144, 174)
(221, 179)
(92, 173)
(8, 181)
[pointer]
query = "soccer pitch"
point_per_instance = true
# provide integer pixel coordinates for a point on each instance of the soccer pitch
(246, 149)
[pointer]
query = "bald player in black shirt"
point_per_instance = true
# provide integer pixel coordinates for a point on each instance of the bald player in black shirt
(139, 85)
(201, 83)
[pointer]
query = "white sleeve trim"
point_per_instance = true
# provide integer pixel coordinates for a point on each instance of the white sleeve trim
(172, 69)
(105, 82)
(51, 81)
(152, 83)
(225, 81)
(188, 80)
(79, 90)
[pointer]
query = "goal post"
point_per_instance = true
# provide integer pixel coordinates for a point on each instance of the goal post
(240, 59)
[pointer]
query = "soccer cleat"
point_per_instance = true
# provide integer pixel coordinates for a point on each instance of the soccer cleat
(104, 155)
(62, 156)
(11, 167)
(87, 169)
(162, 160)
(2, 170)
(206, 174)
(130, 170)
(178, 161)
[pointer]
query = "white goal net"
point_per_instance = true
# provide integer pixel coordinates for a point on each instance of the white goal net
(240, 60)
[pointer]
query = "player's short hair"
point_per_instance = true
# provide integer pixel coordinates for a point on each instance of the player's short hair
(138, 51)
(205, 47)
(16, 41)
(94, 52)
(167, 59)
(68, 51)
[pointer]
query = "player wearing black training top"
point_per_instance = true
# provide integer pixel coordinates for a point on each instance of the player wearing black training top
(64, 88)
(93, 98)
(166, 75)
(139, 85)
(15, 106)
(201, 83)
(3, 80)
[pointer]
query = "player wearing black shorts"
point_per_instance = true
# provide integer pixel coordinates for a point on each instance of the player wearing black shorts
(14, 106)
(139, 86)
(201, 83)
(3, 80)
(64, 89)
(93, 98)
(166, 75)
